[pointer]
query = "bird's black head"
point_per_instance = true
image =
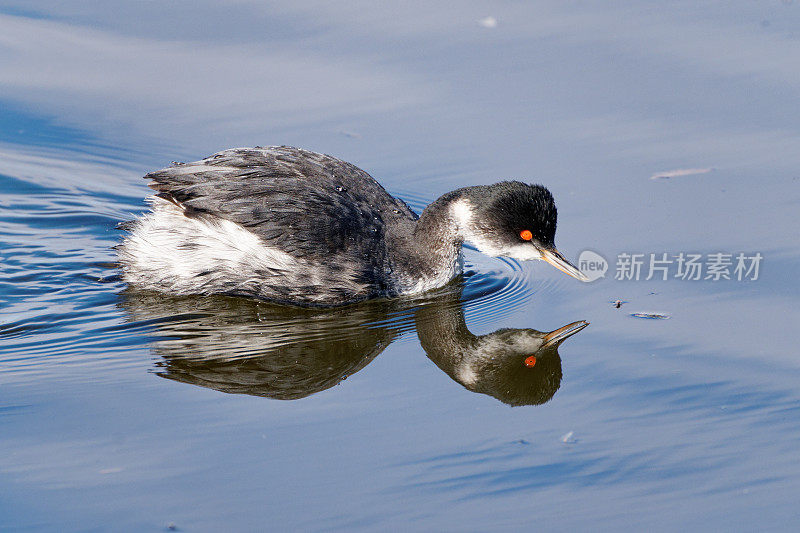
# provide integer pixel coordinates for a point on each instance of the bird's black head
(516, 212)
(512, 219)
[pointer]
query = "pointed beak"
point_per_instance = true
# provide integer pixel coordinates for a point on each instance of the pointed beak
(556, 337)
(555, 258)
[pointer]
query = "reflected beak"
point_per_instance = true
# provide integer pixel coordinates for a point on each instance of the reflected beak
(555, 258)
(554, 338)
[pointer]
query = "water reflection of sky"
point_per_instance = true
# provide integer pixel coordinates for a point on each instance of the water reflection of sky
(697, 413)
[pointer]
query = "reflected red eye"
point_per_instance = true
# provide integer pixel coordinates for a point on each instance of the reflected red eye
(525, 235)
(530, 361)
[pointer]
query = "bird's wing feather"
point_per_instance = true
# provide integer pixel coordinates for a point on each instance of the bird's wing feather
(305, 203)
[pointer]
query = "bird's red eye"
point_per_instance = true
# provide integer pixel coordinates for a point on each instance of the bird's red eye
(530, 361)
(525, 235)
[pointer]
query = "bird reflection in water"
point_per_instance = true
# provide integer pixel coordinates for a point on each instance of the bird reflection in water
(516, 366)
(243, 346)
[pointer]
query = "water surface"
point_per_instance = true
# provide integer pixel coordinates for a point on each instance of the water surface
(124, 410)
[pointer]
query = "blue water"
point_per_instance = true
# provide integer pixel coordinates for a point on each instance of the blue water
(125, 411)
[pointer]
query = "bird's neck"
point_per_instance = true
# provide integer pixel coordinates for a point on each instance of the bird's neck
(429, 255)
(448, 221)
(437, 224)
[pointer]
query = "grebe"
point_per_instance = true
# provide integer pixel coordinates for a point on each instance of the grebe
(298, 227)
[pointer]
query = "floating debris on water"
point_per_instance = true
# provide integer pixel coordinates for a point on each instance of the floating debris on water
(618, 303)
(350, 134)
(680, 172)
(568, 438)
(488, 22)
(651, 316)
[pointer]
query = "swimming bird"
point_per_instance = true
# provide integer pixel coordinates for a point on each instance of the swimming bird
(298, 227)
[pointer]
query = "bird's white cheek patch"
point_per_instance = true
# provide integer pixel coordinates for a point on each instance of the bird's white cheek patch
(463, 213)
(524, 252)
